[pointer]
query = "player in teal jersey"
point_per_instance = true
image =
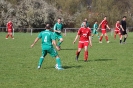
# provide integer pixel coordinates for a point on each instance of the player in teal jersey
(94, 31)
(58, 27)
(48, 39)
(87, 23)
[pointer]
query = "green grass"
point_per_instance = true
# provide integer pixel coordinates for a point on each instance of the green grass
(109, 66)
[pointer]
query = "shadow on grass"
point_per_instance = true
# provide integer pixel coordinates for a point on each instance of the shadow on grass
(67, 67)
(104, 59)
(68, 49)
(98, 60)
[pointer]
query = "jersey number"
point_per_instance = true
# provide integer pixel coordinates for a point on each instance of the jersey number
(45, 39)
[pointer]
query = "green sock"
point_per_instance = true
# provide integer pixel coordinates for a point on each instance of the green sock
(59, 43)
(40, 61)
(58, 61)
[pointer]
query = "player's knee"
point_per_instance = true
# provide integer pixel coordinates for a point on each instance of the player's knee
(61, 40)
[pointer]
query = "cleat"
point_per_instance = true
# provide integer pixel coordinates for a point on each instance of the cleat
(100, 41)
(108, 41)
(39, 67)
(6, 38)
(59, 68)
(12, 38)
(85, 60)
(76, 58)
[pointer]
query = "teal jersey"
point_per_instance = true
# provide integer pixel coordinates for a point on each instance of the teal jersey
(58, 26)
(47, 37)
(87, 24)
(95, 26)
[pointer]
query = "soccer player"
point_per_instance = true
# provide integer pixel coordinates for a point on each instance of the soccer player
(47, 40)
(58, 27)
(117, 29)
(104, 25)
(87, 23)
(123, 25)
(95, 26)
(9, 29)
(84, 34)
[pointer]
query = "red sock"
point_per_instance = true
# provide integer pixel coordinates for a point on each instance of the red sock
(106, 38)
(101, 37)
(7, 35)
(85, 55)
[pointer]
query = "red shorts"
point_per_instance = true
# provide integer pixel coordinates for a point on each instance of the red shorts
(117, 32)
(83, 44)
(103, 31)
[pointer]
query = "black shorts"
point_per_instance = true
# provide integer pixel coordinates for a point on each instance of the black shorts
(123, 32)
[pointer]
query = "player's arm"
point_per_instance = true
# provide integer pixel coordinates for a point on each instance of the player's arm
(121, 27)
(99, 25)
(117, 26)
(108, 27)
(54, 43)
(35, 41)
(90, 41)
(75, 38)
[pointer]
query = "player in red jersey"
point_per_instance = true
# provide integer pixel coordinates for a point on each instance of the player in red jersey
(9, 29)
(84, 34)
(104, 25)
(117, 29)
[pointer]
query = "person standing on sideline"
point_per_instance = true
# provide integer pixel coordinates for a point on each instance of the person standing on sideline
(104, 25)
(123, 30)
(9, 29)
(87, 23)
(58, 27)
(84, 34)
(117, 29)
(48, 40)
(94, 32)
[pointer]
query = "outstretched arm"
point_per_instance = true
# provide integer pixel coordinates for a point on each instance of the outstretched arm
(108, 27)
(34, 42)
(75, 39)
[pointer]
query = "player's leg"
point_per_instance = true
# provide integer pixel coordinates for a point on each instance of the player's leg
(60, 40)
(11, 35)
(80, 46)
(115, 34)
(54, 53)
(85, 51)
(101, 37)
(122, 34)
(7, 35)
(125, 37)
(106, 37)
(44, 53)
(97, 34)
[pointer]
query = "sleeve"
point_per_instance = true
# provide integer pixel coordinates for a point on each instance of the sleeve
(79, 31)
(52, 36)
(55, 27)
(40, 35)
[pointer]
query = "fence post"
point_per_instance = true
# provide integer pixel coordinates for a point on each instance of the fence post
(13, 31)
(31, 32)
(65, 31)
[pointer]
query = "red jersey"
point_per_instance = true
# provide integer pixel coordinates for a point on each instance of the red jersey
(104, 24)
(117, 26)
(84, 34)
(9, 26)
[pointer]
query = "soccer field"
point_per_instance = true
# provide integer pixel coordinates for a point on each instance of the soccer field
(109, 66)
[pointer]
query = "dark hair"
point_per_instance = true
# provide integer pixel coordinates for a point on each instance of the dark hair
(47, 26)
(124, 17)
(59, 18)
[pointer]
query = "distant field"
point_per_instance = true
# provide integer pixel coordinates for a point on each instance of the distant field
(109, 66)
